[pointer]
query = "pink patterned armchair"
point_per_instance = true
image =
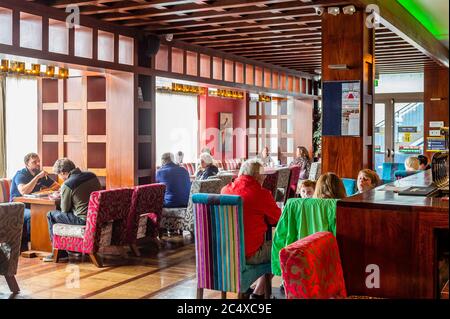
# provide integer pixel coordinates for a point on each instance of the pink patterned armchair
(144, 217)
(270, 183)
(311, 268)
(105, 208)
(5, 185)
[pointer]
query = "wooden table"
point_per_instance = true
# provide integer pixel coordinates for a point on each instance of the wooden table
(40, 239)
(399, 234)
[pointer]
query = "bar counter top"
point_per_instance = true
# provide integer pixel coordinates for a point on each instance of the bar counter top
(379, 198)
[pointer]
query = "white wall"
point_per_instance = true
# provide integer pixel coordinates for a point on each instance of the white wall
(21, 121)
(176, 125)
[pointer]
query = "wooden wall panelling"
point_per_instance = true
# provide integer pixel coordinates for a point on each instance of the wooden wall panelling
(435, 87)
(347, 40)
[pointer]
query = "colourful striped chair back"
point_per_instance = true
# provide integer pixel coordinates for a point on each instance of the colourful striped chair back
(5, 185)
(219, 241)
(220, 247)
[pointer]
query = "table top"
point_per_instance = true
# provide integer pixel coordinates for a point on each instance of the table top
(39, 200)
(379, 198)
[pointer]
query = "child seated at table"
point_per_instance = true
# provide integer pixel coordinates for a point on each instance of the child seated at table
(307, 189)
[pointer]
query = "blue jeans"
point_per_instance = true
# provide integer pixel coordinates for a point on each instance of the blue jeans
(58, 217)
(26, 231)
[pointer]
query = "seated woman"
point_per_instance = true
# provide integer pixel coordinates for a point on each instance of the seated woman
(307, 188)
(302, 159)
(265, 157)
(412, 164)
(367, 180)
(208, 168)
(329, 185)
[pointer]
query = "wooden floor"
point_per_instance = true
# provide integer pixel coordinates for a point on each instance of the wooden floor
(165, 273)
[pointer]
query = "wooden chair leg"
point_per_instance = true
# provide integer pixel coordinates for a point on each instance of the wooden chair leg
(12, 284)
(134, 248)
(224, 295)
(56, 253)
(267, 286)
(96, 260)
(199, 293)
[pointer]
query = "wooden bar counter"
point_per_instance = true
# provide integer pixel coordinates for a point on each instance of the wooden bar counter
(399, 234)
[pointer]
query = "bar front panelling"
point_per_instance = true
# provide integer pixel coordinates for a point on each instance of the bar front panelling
(249, 69)
(205, 66)
(267, 78)
(162, 58)
(191, 63)
(258, 76)
(177, 60)
(239, 72)
(217, 68)
(229, 71)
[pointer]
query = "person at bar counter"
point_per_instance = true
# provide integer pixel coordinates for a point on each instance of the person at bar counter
(260, 212)
(367, 180)
(29, 180)
(75, 194)
(208, 168)
(177, 181)
(302, 159)
(423, 163)
(329, 185)
(265, 157)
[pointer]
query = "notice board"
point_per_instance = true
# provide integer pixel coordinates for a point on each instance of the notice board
(341, 104)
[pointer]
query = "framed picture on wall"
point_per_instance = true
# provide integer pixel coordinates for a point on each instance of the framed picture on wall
(225, 132)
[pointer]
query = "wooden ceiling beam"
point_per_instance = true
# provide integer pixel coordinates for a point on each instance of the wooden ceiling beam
(394, 16)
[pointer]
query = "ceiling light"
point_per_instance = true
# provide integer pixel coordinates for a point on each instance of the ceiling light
(333, 11)
(349, 9)
(169, 37)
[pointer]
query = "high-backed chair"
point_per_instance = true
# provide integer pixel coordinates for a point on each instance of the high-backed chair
(5, 186)
(270, 183)
(311, 268)
(282, 184)
(220, 247)
(315, 171)
(302, 217)
(389, 170)
(144, 216)
(11, 223)
(179, 219)
(293, 182)
(225, 178)
(190, 167)
(350, 185)
(105, 208)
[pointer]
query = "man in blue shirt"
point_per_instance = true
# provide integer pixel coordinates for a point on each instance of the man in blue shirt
(177, 181)
(26, 181)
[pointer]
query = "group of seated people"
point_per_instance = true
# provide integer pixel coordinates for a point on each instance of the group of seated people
(74, 193)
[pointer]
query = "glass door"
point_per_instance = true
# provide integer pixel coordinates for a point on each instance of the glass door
(398, 128)
(408, 132)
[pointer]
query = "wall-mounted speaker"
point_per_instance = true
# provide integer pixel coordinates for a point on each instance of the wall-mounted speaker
(148, 47)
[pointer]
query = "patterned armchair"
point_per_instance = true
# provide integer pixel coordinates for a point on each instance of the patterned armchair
(179, 219)
(225, 178)
(219, 246)
(315, 171)
(282, 184)
(5, 186)
(144, 217)
(105, 208)
(11, 222)
(293, 182)
(270, 183)
(311, 268)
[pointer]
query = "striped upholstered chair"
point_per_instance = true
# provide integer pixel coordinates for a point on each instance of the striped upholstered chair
(219, 245)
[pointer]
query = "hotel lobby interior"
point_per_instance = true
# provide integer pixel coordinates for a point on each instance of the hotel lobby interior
(224, 149)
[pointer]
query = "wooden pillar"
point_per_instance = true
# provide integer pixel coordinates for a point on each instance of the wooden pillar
(346, 40)
(435, 100)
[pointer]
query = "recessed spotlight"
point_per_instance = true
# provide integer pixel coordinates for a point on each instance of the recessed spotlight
(349, 9)
(333, 11)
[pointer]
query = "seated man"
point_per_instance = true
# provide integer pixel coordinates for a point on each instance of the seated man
(177, 181)
(75, 193)
(207, 167)
(260, 211)
(26, 181)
